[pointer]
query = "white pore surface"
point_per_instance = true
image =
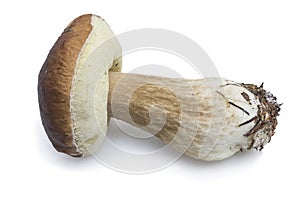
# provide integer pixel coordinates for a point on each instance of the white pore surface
(90, 87)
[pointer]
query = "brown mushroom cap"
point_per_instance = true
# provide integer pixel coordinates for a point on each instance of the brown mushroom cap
(73, 85)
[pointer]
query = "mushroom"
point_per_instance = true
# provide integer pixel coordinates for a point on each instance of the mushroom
(80, 87)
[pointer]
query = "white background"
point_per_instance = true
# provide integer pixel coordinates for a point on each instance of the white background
(249, 41)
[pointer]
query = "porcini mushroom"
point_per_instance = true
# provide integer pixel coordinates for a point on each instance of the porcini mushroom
(80, 87)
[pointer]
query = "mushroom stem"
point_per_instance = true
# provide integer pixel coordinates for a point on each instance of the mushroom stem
(207, 119)
(150, 103)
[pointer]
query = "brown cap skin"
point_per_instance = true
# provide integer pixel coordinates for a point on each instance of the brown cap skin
(55, 82)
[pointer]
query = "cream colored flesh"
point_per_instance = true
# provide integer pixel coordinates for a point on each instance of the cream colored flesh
(90, 86)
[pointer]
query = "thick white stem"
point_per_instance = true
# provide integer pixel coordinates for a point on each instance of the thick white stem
(207, 119)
